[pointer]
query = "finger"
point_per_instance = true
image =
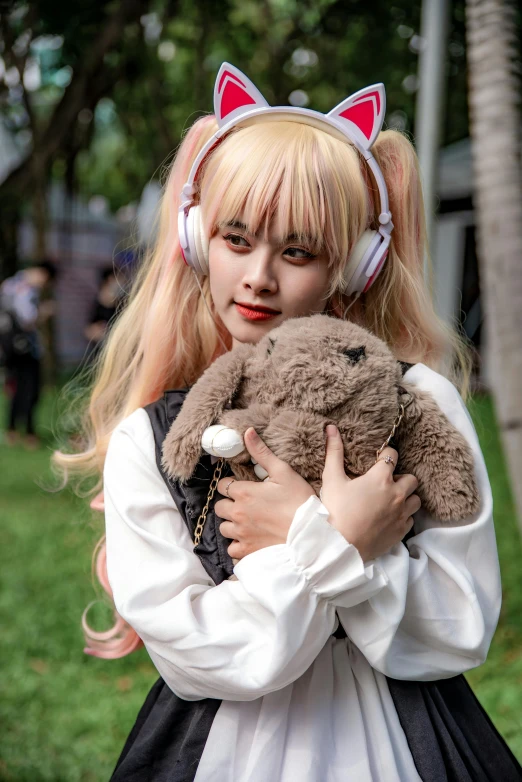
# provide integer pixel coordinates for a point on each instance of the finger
(262, 454)
(224, 509)
(228, 530)
(334, 461)
(412, 504)
(227, 483)
(407, 482)
(387, 467)
(235, 550)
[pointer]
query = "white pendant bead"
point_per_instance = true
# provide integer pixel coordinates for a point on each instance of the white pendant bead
(260, 471)
(219, 440)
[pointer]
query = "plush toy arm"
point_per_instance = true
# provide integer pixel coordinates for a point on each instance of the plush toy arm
(440, 458)
(202, 407)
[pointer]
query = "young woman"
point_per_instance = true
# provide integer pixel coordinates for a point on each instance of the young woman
(332, 650)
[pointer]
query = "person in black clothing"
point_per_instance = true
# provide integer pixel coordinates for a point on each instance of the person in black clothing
(20, 300)
(105, 307)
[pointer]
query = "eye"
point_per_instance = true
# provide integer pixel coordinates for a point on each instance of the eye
(234, 240)
(355, 354)
(305, 257)
(271, 347)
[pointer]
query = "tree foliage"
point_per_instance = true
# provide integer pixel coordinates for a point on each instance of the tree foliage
(106, 89)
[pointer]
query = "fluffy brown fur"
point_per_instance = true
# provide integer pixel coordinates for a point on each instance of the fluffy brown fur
(317, 370)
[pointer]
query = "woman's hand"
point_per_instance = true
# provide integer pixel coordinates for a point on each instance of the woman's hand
(372, 512)
(260, 514)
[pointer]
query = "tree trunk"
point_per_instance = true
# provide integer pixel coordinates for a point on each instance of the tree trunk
(39, 212)
(9, 222)
(494, 92)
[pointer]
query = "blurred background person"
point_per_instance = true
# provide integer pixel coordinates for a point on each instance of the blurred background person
(105, 306)
(23, 315)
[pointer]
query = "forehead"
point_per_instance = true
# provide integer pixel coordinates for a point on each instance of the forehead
(285, 186)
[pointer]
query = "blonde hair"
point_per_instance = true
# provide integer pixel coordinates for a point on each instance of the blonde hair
(299, 180)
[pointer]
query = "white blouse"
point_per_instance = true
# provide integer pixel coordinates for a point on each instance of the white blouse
(297, 703)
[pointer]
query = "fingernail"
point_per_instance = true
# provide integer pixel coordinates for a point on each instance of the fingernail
(253, 434)
(331, 430)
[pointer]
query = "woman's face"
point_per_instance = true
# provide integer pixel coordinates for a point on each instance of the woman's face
(246, 269)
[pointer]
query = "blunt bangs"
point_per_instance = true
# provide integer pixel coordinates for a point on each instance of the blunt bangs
(290, 177)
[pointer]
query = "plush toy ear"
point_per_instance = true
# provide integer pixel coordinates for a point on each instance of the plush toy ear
(364, 113)
(203, 405)
(438, 455)
(234, 94)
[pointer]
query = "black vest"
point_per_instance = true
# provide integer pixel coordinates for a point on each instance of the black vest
(190, 498)
(450, 736)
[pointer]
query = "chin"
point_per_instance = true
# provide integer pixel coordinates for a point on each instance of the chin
(251, 332)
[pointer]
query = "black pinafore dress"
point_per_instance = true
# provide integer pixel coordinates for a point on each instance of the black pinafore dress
(450, 736)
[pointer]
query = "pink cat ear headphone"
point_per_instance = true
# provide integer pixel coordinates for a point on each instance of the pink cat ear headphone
(358, 118)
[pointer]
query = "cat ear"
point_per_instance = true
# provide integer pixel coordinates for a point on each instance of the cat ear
(362, 114)
(234, 94)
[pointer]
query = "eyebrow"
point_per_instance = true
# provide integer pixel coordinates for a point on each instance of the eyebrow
(289, 238)
(235, 224)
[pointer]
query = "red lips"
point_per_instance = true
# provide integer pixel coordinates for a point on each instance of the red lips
(257, 307)
(250, 312)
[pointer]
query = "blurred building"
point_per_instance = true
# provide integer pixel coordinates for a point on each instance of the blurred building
(81, 241)
(454, 255)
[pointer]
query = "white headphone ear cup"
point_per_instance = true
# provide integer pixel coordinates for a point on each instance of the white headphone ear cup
(192, 259)
(182, 234)
(197, 241)
(354, 265)
(200, 239)
(374, 268)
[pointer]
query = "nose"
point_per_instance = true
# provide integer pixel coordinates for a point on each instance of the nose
(260, 276)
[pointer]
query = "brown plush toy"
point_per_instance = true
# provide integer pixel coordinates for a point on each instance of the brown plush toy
(305, 374)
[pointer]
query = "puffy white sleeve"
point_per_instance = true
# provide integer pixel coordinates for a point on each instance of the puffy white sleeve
(238, 640)
(438, 612)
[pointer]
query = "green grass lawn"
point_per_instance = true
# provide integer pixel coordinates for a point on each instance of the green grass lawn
(65, 715)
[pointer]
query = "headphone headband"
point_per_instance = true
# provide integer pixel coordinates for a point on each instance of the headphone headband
(358, 118)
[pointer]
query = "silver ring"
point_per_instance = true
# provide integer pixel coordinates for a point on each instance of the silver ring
(386, 459)
(228, 486)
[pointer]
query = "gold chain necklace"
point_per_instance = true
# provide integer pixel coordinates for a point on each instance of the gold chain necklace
(400, 416)
(203, 517)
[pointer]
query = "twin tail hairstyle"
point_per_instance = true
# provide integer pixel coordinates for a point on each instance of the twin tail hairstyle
(292, 178)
